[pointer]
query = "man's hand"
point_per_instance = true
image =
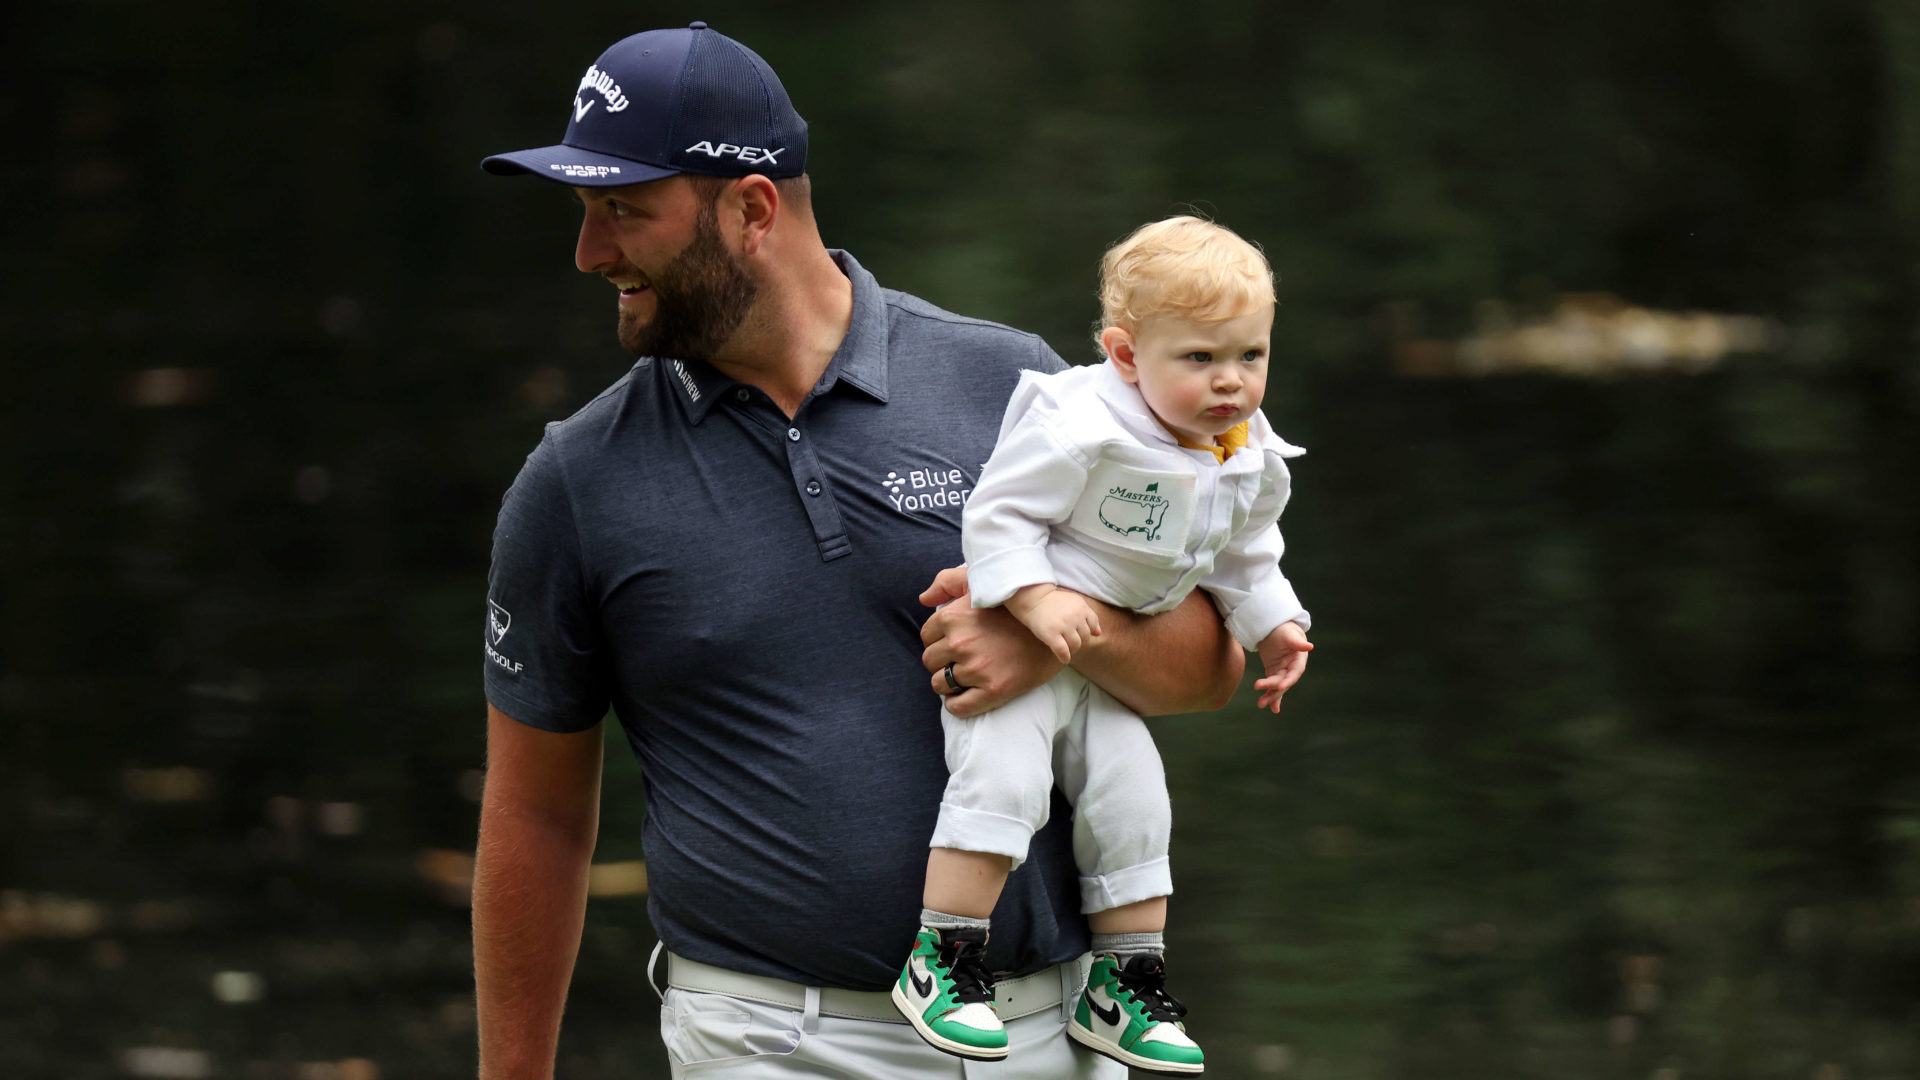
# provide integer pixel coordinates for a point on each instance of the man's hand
(995, 659)
(1062, 620)
(1177, 661)
(1283, 654)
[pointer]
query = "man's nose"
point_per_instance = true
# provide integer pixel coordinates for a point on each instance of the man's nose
(594, 251)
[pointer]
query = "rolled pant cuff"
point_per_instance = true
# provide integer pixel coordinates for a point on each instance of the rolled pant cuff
(978, 830)
(1142, 881)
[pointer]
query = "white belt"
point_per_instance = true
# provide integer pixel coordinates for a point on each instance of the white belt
(1013, 998)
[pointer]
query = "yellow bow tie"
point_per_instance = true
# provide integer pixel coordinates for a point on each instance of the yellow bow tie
(1223, 447)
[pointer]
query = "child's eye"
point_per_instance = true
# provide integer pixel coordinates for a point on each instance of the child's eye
(1200, 357)
(1252, 355)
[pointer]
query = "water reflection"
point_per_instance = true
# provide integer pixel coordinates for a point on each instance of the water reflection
(1606, 765)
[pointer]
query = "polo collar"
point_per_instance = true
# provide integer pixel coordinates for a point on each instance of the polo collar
(697, 383)
(861, 360)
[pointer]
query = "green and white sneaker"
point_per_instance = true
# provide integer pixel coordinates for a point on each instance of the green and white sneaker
(946, 993)
(1127, 1015)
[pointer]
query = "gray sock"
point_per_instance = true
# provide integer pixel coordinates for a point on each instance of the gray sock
(940, 920)
(1123, 946)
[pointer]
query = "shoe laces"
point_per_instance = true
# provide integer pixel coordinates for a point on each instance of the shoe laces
(1144, 976)
(965, 957)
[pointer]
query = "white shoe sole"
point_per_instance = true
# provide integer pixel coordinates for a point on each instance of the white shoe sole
(1125, 1057)
(957, 1049)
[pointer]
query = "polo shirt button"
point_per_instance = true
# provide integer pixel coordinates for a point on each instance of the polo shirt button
(742, 395)
(813, 487)
(793, 434)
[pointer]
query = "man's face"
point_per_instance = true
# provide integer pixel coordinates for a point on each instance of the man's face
(682, 292)
(1202, 379)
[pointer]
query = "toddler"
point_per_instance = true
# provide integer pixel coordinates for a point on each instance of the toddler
(1131, 482)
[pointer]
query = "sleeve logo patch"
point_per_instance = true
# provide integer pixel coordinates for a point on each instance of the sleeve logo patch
(499, 621)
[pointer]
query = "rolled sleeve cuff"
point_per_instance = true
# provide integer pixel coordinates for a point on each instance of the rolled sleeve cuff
(991, 580)
(1262, 614)
(980, 830)
(1104, 892)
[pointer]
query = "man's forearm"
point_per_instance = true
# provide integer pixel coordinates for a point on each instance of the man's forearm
(529, 903)
(1178, 661)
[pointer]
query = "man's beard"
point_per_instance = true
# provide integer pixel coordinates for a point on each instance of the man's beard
(699, 299)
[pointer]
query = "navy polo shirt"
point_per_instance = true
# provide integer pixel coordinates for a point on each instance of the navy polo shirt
(740, 588)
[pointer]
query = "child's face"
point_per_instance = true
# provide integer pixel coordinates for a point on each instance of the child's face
(1200, 379)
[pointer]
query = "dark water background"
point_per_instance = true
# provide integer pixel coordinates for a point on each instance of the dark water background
(1608, 764)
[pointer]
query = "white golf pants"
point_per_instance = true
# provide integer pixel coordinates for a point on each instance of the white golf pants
(1002, 768)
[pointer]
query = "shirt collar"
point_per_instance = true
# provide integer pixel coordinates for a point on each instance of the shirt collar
(697, 384)
(1124, 399)
(861, 360)
(1131, 410)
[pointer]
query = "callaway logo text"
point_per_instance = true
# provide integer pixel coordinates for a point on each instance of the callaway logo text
(601, 83)
(752, 155)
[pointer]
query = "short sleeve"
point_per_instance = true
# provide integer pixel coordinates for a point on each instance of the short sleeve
(545, 660)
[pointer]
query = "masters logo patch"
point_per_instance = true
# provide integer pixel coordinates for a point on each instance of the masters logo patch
(1127, 512)
(1147, 510)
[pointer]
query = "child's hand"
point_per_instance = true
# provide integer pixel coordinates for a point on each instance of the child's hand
(1062, 620)
(1283, 654)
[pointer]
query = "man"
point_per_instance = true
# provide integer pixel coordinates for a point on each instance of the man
(730, 548)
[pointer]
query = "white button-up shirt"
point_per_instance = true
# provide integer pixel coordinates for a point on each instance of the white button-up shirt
(1087, 490)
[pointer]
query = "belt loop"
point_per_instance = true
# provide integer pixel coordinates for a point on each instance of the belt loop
(658, 948)
(1072, 980)
(810, 1014)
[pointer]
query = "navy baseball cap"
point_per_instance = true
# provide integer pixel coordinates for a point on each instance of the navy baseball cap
(666, 102)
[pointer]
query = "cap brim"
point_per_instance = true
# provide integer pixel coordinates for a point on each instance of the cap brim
(575, 167)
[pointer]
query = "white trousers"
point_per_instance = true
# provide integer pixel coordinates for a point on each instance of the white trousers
(1002, 767)
(719, 1036)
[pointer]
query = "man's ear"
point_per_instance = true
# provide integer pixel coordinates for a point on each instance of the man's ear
(1119, 346)
(759, 202)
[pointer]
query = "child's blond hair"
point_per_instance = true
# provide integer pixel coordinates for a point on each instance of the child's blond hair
(1186, 267)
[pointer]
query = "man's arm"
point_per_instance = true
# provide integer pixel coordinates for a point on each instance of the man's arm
(1178, 661)
(539, 817)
